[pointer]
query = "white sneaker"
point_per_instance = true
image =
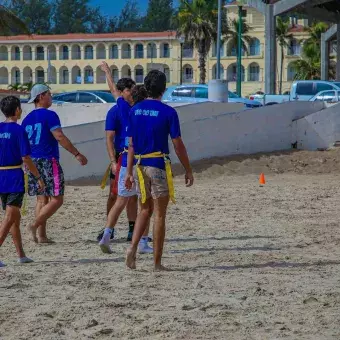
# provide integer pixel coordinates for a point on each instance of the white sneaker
(25, 259)
(2, 264)
(144, 248)
(104, 245)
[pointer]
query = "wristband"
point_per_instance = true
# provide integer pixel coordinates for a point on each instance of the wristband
(78, 153)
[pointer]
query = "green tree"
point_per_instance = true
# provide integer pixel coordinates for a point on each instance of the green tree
(233, 34)
(10, 23)
(15, 87)
(197, 23)
(159, 16)
(71, 16)
(129, 19)
(283, 37)
(36, 14)
(309, 66)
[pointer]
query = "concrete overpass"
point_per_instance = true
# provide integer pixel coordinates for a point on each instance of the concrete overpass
(322, 10)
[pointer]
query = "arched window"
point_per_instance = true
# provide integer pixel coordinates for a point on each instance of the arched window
(254, 72)
(255, 47)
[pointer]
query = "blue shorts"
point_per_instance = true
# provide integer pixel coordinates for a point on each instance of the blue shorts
(122, 191)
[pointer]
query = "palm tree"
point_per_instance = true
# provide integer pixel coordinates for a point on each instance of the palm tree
(309, 67)
(283, 37)
(10, 23)
(15, 87)
(233, 35)
(197, 23)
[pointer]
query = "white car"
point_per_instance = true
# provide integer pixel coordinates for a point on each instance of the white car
(330, 96)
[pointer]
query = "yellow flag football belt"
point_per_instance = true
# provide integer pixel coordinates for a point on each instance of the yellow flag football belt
(23, 209)
(167, 169)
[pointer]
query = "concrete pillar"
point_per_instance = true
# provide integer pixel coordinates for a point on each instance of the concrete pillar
(21, 53)
(270, 50)
(57, 76)
(338, 52)
(218, 90)
(324, 57)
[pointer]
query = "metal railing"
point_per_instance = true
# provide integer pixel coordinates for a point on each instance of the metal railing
(52, 55)
(139, 54)
(139, 79)
(126, 54)
(40, 56)
(88, 55)
(3, 80)
(40, 80)
(28, 56)
(76, 55)
(63, 56)
(101, 55)
(3, 56)
(15, 56)
(64, 80)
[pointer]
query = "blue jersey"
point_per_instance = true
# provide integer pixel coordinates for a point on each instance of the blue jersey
(117, 120)
(151, 123)
(13, 146)
(39, 125)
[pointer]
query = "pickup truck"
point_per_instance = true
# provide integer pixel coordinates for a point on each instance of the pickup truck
(301, 90)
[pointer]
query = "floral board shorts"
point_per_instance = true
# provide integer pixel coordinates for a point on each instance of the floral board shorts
(53, 176)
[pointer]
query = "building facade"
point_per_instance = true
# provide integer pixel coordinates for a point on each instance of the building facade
(72, 61)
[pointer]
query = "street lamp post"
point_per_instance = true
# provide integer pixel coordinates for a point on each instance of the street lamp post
(181, 41)
(219, 33)
(239, 54)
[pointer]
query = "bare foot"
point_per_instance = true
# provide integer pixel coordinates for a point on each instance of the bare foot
(33, 232)
(130, 259)
(160, 268)
(45, 240)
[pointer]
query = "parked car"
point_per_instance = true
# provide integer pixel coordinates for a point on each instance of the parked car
(83, 97)
(199, 93)
(301, 90)
(332, 96)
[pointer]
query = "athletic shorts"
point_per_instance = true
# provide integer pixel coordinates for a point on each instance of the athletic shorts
(53, 176)
(114, 182)
(122, 191)
(14, 199)
(156, 184)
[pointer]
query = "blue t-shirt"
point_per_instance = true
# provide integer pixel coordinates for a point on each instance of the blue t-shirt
(13, 146)
(150, 124)
(117, 120)
(39, 125)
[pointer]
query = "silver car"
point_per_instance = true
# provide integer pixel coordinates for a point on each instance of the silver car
(199, 93)
(83, 97)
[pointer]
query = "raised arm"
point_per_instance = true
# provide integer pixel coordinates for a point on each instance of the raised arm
(112, 86)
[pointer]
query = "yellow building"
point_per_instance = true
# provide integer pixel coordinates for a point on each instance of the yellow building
(71, 62)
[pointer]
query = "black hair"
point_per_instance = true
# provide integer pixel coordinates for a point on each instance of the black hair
(139, 93)
(37, 98)
(125, 83)
(155, 83)
(9, 106)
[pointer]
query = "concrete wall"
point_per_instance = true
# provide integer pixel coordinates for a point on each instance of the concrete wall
(318, 130)
(208, 130)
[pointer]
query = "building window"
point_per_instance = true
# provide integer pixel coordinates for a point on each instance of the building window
(139, 51)
(254, 47)
(294, 48)
(254, 72)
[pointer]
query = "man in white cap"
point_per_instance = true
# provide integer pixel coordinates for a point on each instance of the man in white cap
(45, 133)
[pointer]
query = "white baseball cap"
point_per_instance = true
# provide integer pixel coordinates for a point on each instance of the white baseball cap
(37, 90)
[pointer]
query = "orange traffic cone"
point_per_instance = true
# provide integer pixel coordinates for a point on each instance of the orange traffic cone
(262, 180)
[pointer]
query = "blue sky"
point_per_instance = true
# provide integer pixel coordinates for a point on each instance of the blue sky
(113, 7)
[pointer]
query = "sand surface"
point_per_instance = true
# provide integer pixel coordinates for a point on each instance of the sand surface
(248, 262)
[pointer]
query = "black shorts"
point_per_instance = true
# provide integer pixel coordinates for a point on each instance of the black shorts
(112, 176)
(14, 199)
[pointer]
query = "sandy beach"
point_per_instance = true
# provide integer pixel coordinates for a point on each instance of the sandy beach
(248, 262)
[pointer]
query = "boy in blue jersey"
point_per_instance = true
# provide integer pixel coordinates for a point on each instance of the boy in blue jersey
(150, 125)
(14, 151)
(124, 195)
(115, 141)
(45, 134)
